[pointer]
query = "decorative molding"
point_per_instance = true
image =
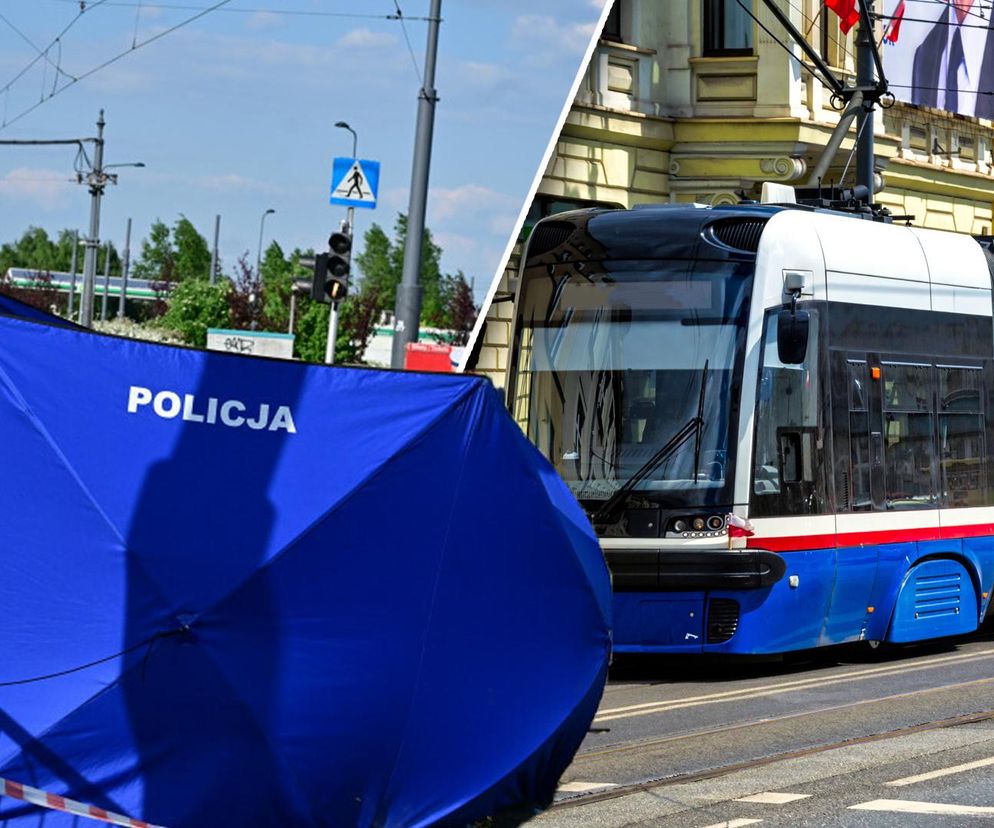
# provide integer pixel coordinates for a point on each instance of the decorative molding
(738, 165)
(785, 168)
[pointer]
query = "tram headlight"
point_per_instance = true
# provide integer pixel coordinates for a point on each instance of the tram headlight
(716, 523)
(698, 524)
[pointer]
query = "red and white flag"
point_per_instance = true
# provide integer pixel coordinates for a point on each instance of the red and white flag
(740, 527)
(848, 12)
(894, 26)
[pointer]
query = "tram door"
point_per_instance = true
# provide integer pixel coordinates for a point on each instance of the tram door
(858, 433)
(858, 444)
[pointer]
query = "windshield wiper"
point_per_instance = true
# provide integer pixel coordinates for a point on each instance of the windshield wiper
(693, 427)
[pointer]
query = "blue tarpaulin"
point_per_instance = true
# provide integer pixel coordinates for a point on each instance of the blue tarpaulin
(253, 592)
(9, 306)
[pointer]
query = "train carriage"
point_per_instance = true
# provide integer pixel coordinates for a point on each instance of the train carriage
(777, 418)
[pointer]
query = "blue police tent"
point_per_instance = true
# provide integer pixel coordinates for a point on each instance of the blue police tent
(11, 306)
(252, 592)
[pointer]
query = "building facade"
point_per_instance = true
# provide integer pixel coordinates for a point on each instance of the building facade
(696, 101)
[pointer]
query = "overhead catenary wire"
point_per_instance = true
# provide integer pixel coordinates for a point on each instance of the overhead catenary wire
(906, 19)
(43, 53)
(944, 89)
(158, 36)
(826, 75)
(139, 5)
(410, 49)
(970, 12)
(135, 4)
(83, 10)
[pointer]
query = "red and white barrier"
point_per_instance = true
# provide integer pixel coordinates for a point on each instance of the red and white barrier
(26, 793)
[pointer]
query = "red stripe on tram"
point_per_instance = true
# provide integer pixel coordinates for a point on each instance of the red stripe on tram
(793, 543)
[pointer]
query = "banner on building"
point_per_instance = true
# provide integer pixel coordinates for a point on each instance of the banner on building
(941, 55)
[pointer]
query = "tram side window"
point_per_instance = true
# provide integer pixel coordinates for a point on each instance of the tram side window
(859, 437)
(789, 468)
(962, 452)
(908, 436)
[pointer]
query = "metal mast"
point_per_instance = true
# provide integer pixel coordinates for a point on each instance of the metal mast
(408, 308)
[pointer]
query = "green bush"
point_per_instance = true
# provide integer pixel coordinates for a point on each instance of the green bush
(196, 305)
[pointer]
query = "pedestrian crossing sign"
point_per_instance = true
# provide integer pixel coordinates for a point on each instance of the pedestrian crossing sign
(354, 182)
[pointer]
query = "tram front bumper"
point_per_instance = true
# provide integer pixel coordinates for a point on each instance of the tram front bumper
(657, 570)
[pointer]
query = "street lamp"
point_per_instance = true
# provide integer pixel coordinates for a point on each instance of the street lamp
(258, 257)
(355, 138)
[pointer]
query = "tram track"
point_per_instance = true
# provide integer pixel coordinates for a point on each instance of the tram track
(793, 685)
(621, 791)
(666, 741)
(635, 747)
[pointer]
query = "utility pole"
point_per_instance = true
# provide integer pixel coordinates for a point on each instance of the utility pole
(408, 307)
(125, 269)
(217, 233)
(96, 178)
(72, 279)
(97, 182)
(103, 300)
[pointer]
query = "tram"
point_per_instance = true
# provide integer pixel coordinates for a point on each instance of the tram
(778, 419)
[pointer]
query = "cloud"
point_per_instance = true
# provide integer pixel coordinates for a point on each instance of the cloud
(40, 187)
(366, 39)
(486, 74)
(396, 198)
(370, 55)
(264, 20)
(468, 201)
(478, 261)
(546, 39)
(220, 183)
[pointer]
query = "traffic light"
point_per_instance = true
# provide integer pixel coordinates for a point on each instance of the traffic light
(320, 278)
(331, 270)
(339, 264)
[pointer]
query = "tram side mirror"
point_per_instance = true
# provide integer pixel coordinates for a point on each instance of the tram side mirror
(792, 336)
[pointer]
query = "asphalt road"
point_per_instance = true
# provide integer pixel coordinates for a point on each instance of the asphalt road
(818, 738)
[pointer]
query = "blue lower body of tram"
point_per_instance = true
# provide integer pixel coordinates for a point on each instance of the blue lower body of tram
(895, 592)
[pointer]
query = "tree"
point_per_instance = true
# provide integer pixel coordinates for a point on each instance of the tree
(173, 255)
(38, 251)
(461, 308)
(191, 254)
(34, 249)
(359, 314)
(157, 260)
(245, 299)
(312, 332)
(382, 265)
(375, 261)
(196, 305)
(277, 282)
(357, 318)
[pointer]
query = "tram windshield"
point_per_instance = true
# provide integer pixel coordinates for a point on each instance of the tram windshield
(613, 361)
